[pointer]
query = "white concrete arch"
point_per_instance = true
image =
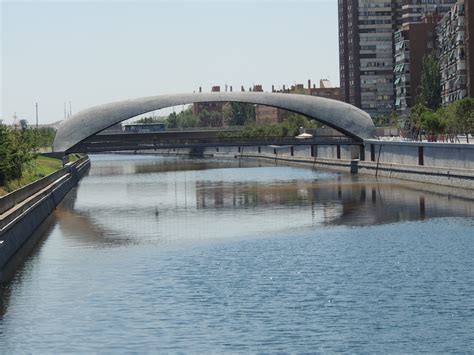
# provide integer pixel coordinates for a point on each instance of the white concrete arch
(336, 114)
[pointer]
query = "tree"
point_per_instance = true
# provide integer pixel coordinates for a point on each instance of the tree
(414, 121)
(204, 118)
(44, 136)
(17, 150)
(172, 120)
(227, 113)
(150, 119)
(393, 119)
(432, 123)
(5, 163)
(241, 114)
(215, 119)
(295, 121)
(449, 122)
(22, 151)
(464, 113)
(380, 120)
(430, 86)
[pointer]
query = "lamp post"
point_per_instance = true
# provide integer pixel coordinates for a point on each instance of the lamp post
(36, 106)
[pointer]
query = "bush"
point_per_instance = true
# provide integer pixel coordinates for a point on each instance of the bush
(451, 120)
(17, 150)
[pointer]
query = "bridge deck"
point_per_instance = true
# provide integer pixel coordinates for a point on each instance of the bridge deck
(173, 140)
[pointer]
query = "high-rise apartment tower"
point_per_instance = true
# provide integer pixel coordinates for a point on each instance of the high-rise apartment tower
(366, 47)
(366, 53)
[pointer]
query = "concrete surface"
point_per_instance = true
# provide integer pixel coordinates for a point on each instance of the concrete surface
(19, 222)
(336, 114)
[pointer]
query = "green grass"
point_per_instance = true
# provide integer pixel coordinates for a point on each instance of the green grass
(37, 169)
(73, 157)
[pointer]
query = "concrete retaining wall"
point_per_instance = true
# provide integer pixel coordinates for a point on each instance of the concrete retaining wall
(10, 200)
(437, 163)
(33, 204)
(321, 151)
(441, 155)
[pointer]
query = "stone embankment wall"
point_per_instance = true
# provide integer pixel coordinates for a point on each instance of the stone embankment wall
(338, 157)
(23, 211)
(438, 163)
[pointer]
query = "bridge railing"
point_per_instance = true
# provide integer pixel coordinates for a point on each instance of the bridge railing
(109, 143)
(153, 138)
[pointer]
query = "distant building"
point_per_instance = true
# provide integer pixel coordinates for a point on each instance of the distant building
(209, 107)
(268, 114)
(326, 89)
(412, 42)
(365, 53)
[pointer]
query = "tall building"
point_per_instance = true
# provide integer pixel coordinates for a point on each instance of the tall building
(469, 40)
(367, 48)
(456, 52)
(412, 11)
(452, 54)
(366, 53)
(412, 42)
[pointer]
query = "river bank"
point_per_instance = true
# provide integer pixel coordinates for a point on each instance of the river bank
(444, 164)
(37, 169)
(23, 210)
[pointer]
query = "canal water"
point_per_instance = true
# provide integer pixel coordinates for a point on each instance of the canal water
(179, 255)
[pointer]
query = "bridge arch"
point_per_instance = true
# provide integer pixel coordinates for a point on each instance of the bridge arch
(336, 114)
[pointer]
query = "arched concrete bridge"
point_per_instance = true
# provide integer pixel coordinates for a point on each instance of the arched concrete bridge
(339, 115)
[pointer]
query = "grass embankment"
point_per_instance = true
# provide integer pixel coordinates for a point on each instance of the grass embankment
(74, 157)
(38, 168)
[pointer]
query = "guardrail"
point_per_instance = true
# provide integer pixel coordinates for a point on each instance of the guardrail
(177, 129)
(13, 198)
(31, 205)
(138, 144)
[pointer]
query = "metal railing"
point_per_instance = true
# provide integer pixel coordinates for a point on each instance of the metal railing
(15, 197)
(111, 144)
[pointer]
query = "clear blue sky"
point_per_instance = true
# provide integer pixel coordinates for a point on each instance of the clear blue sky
(97, 52)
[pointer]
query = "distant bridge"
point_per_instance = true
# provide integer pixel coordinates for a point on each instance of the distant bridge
(345, 118)
(192, 139)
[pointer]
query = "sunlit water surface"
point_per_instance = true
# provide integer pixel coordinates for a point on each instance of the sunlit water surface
(177, 255)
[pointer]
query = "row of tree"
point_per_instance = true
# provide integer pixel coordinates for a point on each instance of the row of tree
(428, 117)
(432, 119)
(233, 114)
(17, 150)
(444, 123)
(288, 128)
